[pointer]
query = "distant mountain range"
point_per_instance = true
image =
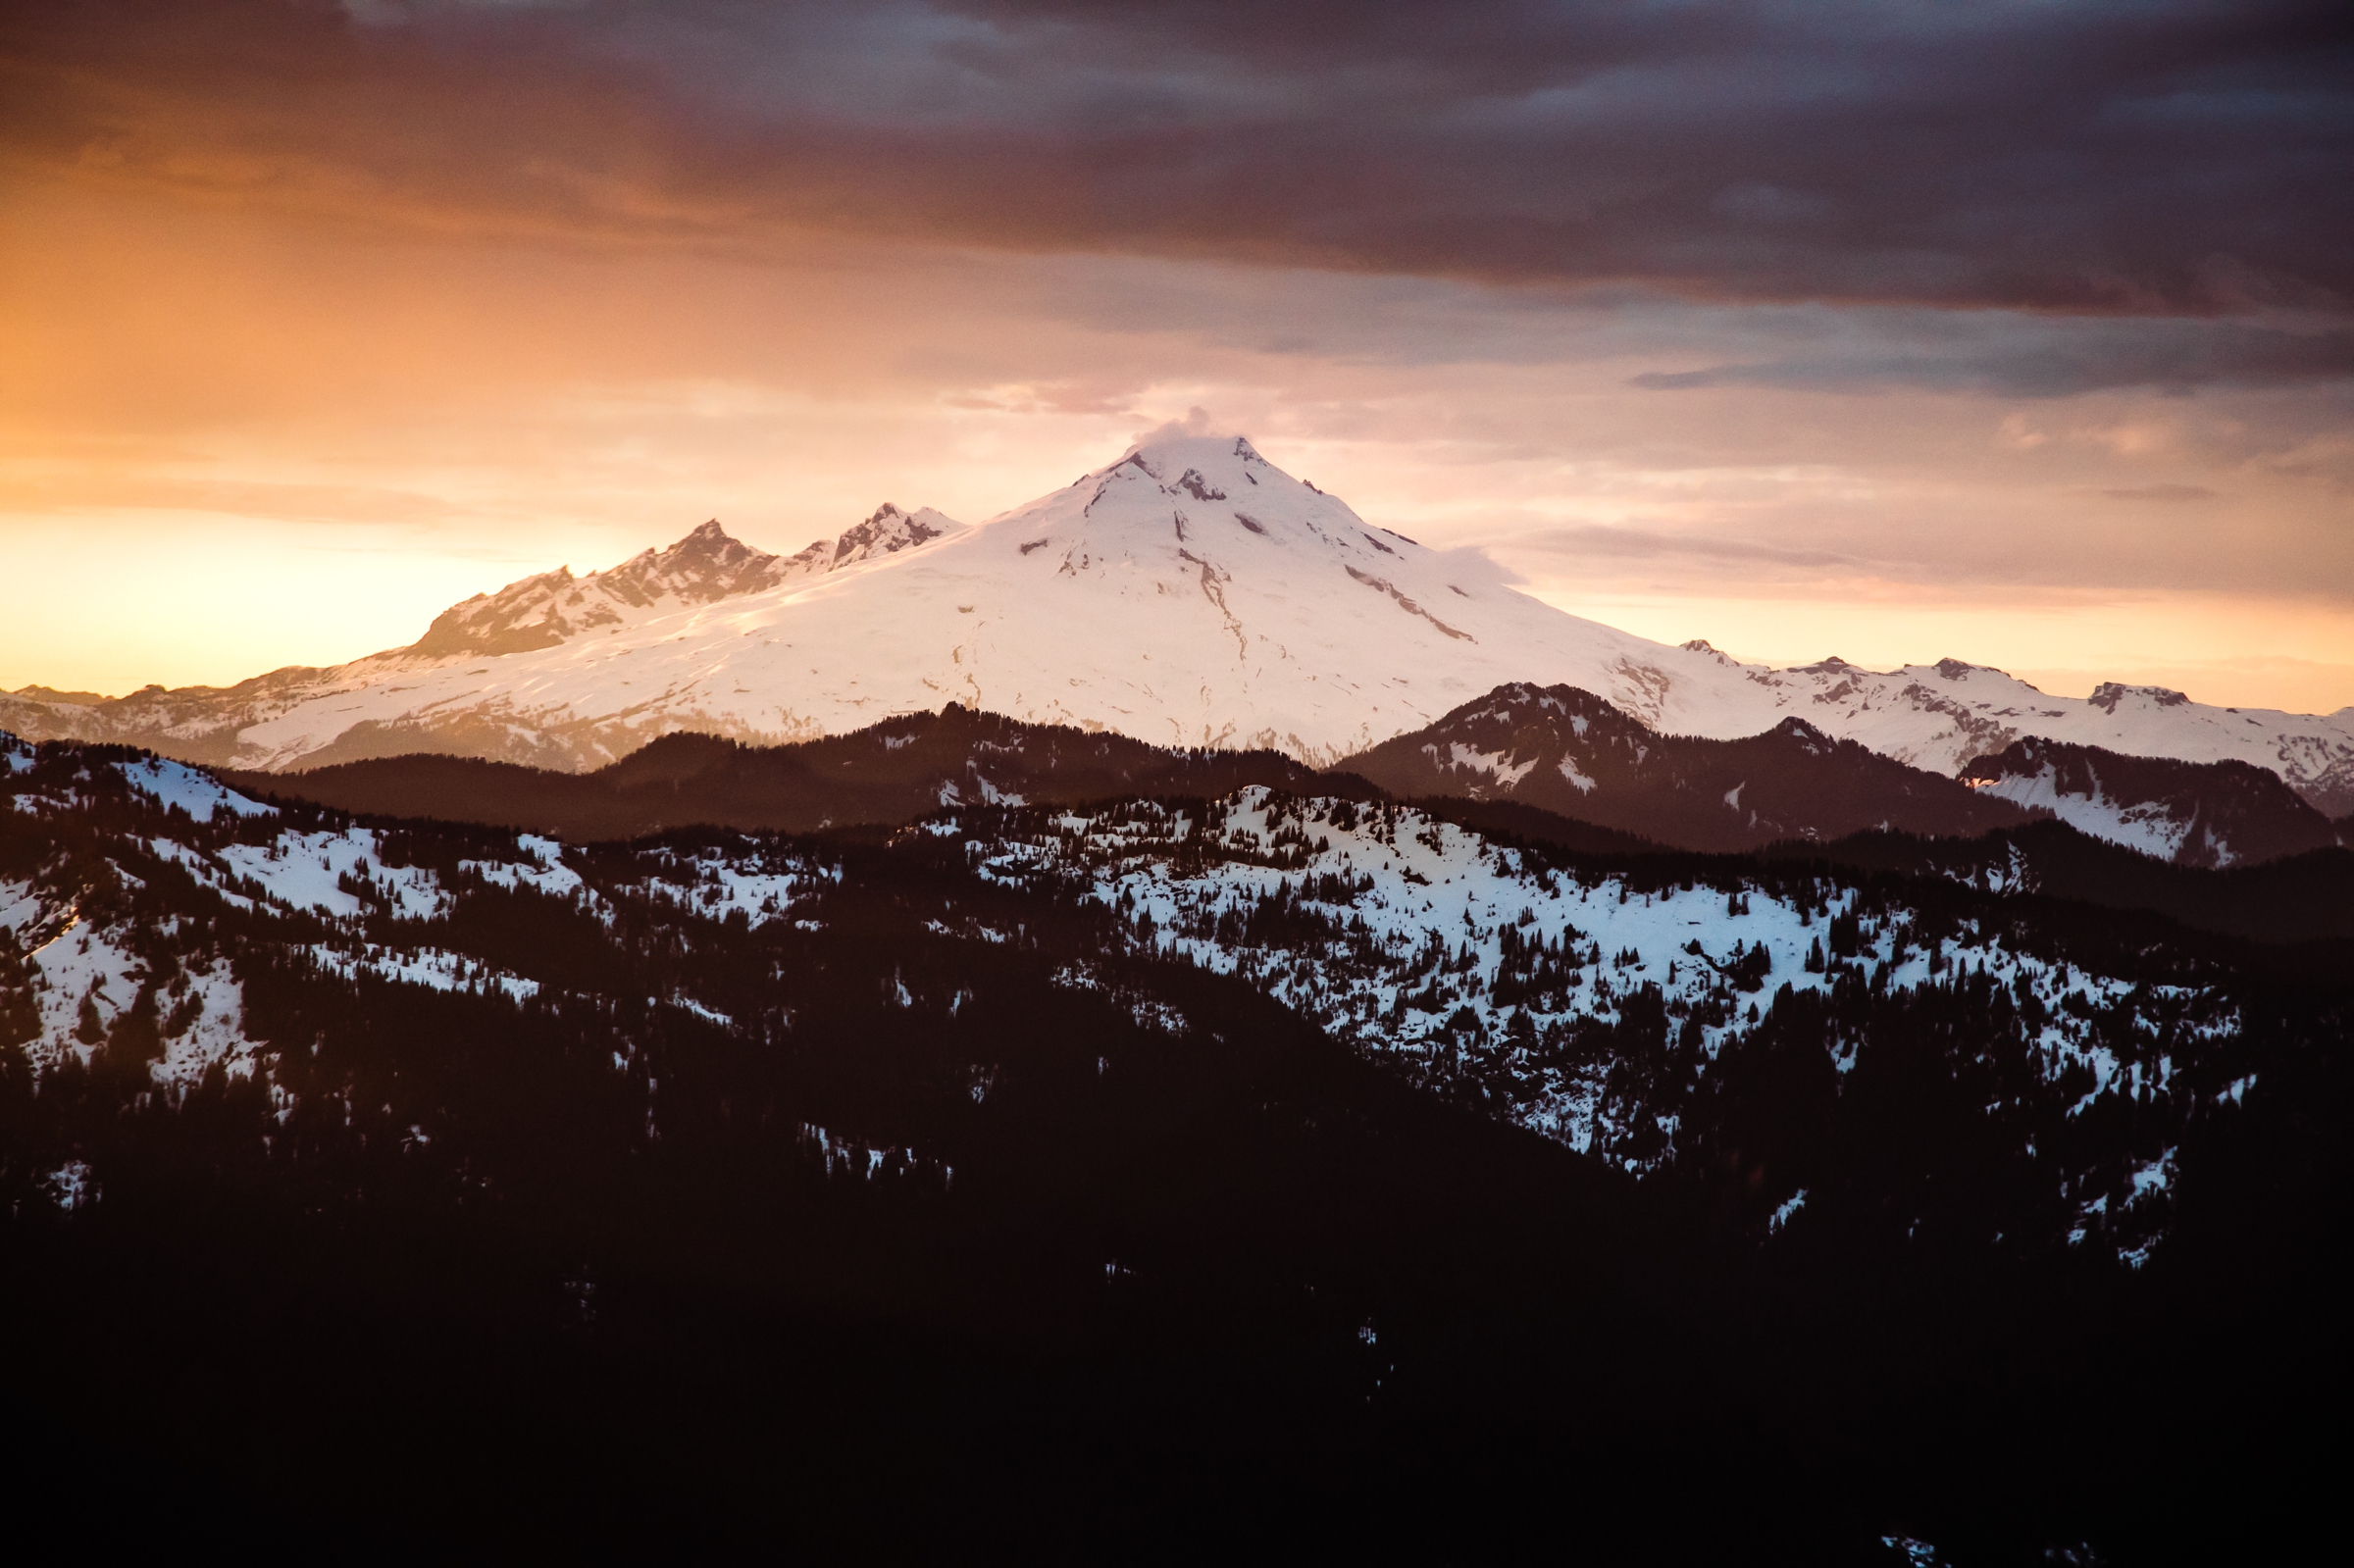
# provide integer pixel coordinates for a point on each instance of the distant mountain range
(1558, 750)
(1558, 768)
(1189, 594)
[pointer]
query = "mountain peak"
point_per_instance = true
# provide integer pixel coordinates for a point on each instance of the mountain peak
(706, 565)
(1167, 452)
(708, 540)
(887, 532)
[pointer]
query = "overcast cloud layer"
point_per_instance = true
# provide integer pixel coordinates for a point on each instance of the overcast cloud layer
(1939, 318)
(2185, 158)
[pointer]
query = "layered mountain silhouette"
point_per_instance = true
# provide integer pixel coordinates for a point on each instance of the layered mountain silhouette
(1190, 594)
(1058, 1166)
(888, 774)
(1557, 767)
(1557, 750)
(1569, 751)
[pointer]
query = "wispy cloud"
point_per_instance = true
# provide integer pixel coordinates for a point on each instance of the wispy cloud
(1641, 544)
(2031, 358)
(2163, 494)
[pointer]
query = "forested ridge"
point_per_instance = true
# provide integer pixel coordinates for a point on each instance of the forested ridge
(1181, 1171)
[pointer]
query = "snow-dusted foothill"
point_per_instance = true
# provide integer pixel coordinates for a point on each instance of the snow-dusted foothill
(2194, 813)
(1423, 943)
(1615, 1006)
(142, 889)
(173, 784)
(1568, 751)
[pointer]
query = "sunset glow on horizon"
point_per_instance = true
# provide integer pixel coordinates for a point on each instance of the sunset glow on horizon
(317, 319)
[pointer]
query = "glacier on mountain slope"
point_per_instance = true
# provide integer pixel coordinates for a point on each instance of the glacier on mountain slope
(1190, 594)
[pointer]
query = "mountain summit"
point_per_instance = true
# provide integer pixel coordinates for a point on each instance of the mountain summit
(1190, 594)
(705, 567)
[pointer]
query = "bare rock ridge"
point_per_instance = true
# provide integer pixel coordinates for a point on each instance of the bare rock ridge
(705, 567)
(1189, 594)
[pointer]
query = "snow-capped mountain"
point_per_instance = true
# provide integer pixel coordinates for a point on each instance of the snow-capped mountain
(1943, 715)
(1189, 594)
(1568, 751)
(2197, 814)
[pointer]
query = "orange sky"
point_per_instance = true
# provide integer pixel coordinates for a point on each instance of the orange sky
(264, 400)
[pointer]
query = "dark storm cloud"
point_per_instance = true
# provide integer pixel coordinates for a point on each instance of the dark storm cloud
(2187, 158)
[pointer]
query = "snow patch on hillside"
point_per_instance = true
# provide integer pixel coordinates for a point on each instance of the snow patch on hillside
(1439, 936)
(2153, 827)
(200, 1013)
(429, 967)
(199, 794)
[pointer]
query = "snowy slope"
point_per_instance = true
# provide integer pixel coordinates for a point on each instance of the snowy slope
(1598, 1002)
(1433, 943)
(1941, 716)
(1190, 594)
(2197, 814)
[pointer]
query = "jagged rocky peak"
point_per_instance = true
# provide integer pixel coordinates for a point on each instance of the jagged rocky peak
(520, 617)
(891, 530)
(707, 566)
(1702, 646)
(887, 532)
(542, 611)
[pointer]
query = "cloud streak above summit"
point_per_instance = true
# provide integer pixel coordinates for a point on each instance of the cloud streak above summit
(1861, 316)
